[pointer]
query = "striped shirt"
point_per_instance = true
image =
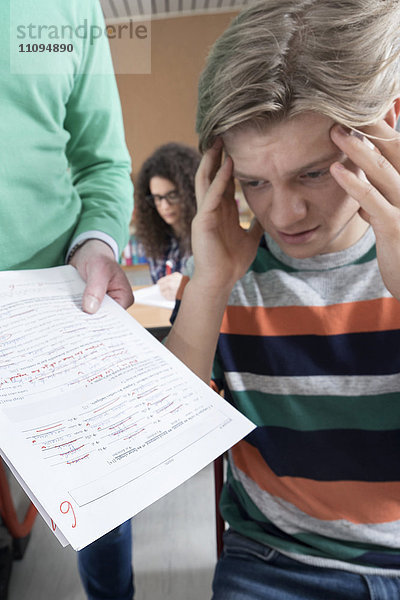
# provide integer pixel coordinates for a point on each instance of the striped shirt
(309, 351)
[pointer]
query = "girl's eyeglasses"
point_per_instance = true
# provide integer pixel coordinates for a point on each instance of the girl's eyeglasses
(171, 197)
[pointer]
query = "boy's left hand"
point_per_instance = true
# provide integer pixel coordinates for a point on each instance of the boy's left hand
(379, 195)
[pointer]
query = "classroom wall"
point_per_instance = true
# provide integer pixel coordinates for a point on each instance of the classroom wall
(161, 106)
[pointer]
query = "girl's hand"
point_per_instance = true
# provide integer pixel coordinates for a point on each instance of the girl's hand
(378, 194)
(169, 285)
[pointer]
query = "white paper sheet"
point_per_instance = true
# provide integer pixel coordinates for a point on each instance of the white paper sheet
(97, 419)
(152, 296)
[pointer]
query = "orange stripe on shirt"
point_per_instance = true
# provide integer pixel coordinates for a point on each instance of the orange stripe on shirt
(355, 501)
(351, 317)
(184, 281)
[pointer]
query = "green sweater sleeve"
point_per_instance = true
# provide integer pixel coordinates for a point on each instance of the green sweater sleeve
(96, 151)
(65, 168)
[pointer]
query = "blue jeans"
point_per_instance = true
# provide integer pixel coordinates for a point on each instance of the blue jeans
(105, 566)
(248, 570)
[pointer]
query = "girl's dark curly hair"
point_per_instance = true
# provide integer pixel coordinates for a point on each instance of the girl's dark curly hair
(178, 163)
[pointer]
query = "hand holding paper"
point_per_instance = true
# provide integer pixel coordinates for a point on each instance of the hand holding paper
(97, 419)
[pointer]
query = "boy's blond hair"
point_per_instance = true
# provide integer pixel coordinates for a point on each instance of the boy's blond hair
(279, 58)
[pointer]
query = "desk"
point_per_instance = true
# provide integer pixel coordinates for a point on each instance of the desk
(154, 318)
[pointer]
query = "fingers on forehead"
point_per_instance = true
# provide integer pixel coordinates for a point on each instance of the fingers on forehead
(380, 139)
(385, 138)
(212, 158)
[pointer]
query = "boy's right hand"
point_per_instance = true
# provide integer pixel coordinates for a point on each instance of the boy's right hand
(222, 249)
(222, 252)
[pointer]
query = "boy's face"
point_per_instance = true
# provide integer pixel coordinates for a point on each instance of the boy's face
(284, 174)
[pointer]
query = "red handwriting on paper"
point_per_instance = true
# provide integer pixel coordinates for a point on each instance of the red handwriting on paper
(65, 507)
(53, 525)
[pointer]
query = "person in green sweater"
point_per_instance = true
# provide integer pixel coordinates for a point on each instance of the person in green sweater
(65, 182)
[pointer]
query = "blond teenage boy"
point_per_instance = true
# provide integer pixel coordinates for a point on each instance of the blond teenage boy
(302, 97)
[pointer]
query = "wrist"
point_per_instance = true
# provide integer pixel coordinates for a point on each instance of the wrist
(214, 289)
(214, 294)
(90, 247)
(93, 235)
(73, 251)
